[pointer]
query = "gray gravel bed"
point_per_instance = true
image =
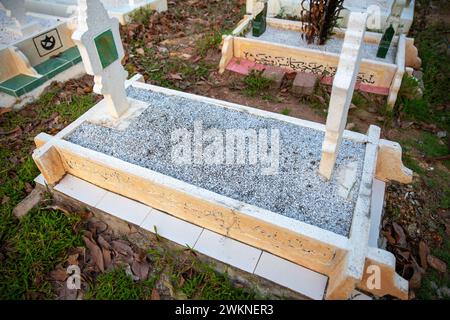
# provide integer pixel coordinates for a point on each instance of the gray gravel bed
(333, 45)
(297, 191)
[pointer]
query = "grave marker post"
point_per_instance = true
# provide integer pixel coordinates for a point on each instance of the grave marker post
(98, 40)
(342, 91)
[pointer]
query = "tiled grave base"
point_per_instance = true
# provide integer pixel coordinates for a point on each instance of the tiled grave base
(8, 101)
(22, 84)
(226, 250)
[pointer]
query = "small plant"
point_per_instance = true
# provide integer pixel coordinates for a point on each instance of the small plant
(255, 83)
(358, 100)
(141, 15)
(286, 111)
(209, 42)
(117, 285)
(205, 283)
(319, 18)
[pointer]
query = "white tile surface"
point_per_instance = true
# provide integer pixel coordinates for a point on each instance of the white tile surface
(81, 190)
(376, 210)
(172, 228)
(228, 250)
(40, 180)
(124, 208)
(357, 295)
(292, 276)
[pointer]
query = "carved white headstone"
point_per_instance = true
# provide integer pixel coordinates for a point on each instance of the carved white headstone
(342, 91)
(98, 40)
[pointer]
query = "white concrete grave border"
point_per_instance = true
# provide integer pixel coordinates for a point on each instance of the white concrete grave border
(69, 9)
(291, 7)
(345, 261)
(387, 77)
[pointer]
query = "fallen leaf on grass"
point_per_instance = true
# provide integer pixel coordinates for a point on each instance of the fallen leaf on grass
(103, 243)
(175, 76)
(73, 259)
(399, 235)
(97, 227)
(424, 251)
(140, 269)
(59, 274)
(437, 263)
(155, 295)
(122, 248)
(96, 253)
(106, 257)
(5, 110)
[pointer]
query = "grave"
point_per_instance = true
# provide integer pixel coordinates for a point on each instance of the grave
(291, 8)
(306, 198)
(120, 9)
(281, 45)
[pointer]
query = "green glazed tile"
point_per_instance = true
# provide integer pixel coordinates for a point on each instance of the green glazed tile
(17, 85)
(52, 67)
(106, 48)
(71, 54)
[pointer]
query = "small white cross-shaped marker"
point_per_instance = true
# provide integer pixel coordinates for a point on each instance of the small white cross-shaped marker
(98, 40)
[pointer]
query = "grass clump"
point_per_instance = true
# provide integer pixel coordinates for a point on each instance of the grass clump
(41, 240)
(207, 43)
(205, 283)
(141, 15)
(117, 285)
(256, 84)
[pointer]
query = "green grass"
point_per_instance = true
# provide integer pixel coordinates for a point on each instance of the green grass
(286, 111)
(358, 100)
(40, 241)
(141, 15)
(432, 45)
(427, 292)
(33, 246)
(117, 285)
(432, 146)
(207, 284)
(256, 84)
(410, 163)
(209, 42)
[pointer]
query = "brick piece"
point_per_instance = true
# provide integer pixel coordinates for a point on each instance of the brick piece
(304, 83)
(276, 75)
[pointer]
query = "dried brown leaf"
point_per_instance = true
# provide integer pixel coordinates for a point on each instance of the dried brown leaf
(73, 259)
(103, 243)
(437, 263)
(106, 257)
(424, 251)
(140, 269)
(175, 76)
(400, 236)
(122, 247)
(95, 252)
(155, 295)
(59, 274)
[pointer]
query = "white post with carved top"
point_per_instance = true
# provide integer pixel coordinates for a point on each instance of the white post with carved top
(98, 40)
(342, 91)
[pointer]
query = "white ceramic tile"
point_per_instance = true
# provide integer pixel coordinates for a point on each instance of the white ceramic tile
(80, 190)
(40, 180)
(376, 210)
(357, 295)
(123, 208)
(227, 250)
(172, 228)
(292, 276)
